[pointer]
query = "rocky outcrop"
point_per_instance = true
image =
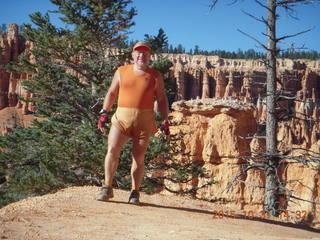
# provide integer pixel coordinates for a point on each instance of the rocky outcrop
(218, 139)
(211, 76)
(13, 111)
(201, 77)
(12, 45)
(11, 117)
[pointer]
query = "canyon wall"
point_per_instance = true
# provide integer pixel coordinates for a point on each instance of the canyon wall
(219, 141)
(13, 112)
(226, 104)
(12, 45)
(201, 77)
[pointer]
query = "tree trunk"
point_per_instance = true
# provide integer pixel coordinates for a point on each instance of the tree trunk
(272, 180)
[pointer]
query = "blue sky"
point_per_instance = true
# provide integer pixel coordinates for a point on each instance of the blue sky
(190, 22)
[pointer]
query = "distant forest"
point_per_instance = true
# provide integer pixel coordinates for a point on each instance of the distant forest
(161, 39)
(239, 54)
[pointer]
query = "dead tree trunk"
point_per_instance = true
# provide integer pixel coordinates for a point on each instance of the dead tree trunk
(271, 171)
(273, 187)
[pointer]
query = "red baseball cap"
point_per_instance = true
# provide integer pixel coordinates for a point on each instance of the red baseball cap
(141, 46)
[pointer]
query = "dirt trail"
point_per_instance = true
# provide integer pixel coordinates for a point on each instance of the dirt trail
(73, 214)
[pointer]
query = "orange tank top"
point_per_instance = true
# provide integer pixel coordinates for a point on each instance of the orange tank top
(137, 91)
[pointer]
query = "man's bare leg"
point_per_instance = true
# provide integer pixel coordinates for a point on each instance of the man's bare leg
(137, 169)
(116, 140)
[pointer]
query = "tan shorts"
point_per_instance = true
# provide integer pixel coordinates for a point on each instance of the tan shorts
(135, 122)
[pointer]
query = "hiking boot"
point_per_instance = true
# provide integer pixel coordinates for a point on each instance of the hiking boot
(134, 197)
(105, 194)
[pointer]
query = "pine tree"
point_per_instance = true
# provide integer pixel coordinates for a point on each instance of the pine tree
(196, 50)
(159, 43)
(3, 29)
(71, 72)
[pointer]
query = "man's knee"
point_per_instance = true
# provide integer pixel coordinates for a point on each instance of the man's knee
(138, 157)
(138, 163)
(113, 150)
(139, 153)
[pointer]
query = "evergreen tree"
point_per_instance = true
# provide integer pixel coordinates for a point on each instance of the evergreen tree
(3, 29)
(71, 71)
(196, 50)
(159, 43)
(171, 48)
(240, 54)
(180, 49)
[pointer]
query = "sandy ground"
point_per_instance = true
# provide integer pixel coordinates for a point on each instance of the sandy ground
(73, 214)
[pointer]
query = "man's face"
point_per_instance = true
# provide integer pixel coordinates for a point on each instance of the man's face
(141, 57)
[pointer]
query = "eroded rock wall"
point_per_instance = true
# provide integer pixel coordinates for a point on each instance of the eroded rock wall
(210, 76)
(12, 44)
(217, 139)
(200, 77)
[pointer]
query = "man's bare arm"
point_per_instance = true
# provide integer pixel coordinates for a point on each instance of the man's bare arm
(163, 106)
(112, 93)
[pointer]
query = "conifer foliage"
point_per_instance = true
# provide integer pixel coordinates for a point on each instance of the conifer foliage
(72, 69)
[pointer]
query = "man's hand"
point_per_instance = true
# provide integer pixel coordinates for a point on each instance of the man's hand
(164, 127)
(102, 120)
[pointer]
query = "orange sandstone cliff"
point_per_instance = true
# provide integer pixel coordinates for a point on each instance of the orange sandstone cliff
(215, 134)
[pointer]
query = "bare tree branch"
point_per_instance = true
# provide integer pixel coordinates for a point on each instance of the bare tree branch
(262, 5)
(252, 137)
(294, 35)
(292, 3)
(253, 38)
(251, 184)
(254, 17)
(305, 200)
(213, 4)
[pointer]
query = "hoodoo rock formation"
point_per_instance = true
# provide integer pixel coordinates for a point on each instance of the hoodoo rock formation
(12, 45)
(218, 139)
(245, 80)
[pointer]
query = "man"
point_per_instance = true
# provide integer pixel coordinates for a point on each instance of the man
(135, 85)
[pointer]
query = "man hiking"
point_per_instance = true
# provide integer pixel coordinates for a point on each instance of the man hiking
(136, 86)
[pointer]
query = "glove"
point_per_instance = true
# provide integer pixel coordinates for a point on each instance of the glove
(102, 120)
(165, 128)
